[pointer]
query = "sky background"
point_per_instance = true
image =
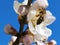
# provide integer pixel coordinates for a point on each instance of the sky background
(8, 16)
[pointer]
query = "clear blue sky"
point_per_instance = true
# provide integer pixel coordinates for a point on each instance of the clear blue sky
(8, 16)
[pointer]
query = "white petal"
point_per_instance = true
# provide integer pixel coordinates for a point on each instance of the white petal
(49, 18)
(16, 6)
(20, 43)
(14, 38)
(47, 32)
(44, 31)
(31, 28)
(54, 42)
(40, 3)
(31, 14)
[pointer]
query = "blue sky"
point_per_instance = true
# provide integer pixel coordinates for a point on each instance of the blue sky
(8, 16)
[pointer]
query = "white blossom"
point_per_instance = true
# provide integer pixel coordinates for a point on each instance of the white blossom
(17, 4)
(41, 30)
